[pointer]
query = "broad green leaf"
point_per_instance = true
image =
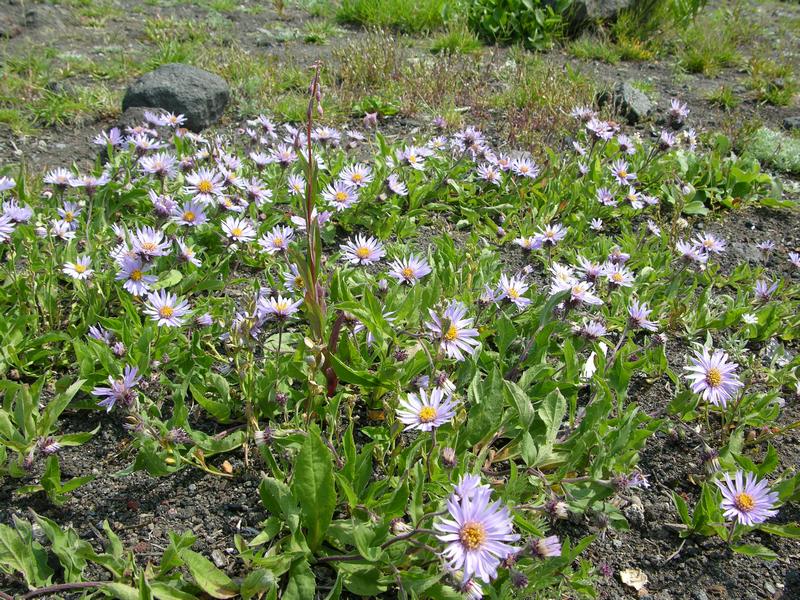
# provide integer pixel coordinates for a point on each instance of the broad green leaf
(313, 486)
(301, 584)
(755, 550)
(208, 577)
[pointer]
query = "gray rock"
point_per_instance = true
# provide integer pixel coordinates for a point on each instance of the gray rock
(199, 95)
(632, 103)
(791, 123)
(583, 11)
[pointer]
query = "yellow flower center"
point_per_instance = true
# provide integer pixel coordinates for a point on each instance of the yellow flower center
(623, 173)
(357, 177)
(617, 277)
(412, 158)
(362, 252)
(427, 414)
(68, 217)
(79, 268)
(714, 377)
(205, 186)
(136, 275)
(298, 282)
(407, 273)
(472, 535)
(281, 307)
(236, 231)
(165, 312)
(744, 502)
(277, 242)
(513, 293)
(451, 334)
(149, 246)
(188, 216)
(341, 196)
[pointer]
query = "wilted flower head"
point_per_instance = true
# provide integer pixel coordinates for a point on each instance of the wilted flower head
(546, 547)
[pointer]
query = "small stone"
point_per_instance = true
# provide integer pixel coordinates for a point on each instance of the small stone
(632, 103)
(219, 558)
(791, 123)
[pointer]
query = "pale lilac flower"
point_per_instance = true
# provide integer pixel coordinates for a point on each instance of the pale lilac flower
(600, 130)
(327, 136)
(625, 144)
(150, 243)
(529, 242)
(284, 155)
(690, 139)
(7, 183)
(61, 230)
(619, 169)
(59, 178)
(340, 195)
(546, 547)
(186, 252)
(596, 225)
(591, 270)
(582, 113)
(579, 148)
(653, 227)
(277, 240)
(690, 253)
(163, 205)
(764, 290)
(552, 234)
(113, 136)
(513, 289)
(766, 246)
(89, 183)
(709, 243)
(396, 185)
(593, 330)
(489, 173)
(678, 111)
(257, 192)
(794, 258)
(292, 280)
(666, 141)
(580, 293)
(143, 143)
(525, 167)
(279, 308)
(455, 332)
(634, 198)
(425, 412)
(618, 275)
(409, 270)
(69, 214)
(476, 534)
(605, 197)
(639, 316)
(714, 377)
(6, 228)
(617, 256)
(121, 390)
(562, 278)
(358, 175)
(260, 159)
(205, 184)
(160, 164)
(79, 269)
(133, 273)
(191, 214)
(172, 120)
(362, 250)
(750, 319)
(413, 156)
(747, 500)
(101, 334)
(239, 230)
(166, 309)
(296, 184)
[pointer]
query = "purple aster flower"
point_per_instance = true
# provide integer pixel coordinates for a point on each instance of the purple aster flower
(546, 547)
(591, 270)
(7, 183)
(239, 230)
(191, 214)
(525, 167)
(690, 253)
(764, 290)
(205, 184)
(69, 214)
(794, 258)
(580, 293)
(709, 243)
(513, 289)
(186, 252)
(582, 113)
(552, 234)
(596, 225)
(163, 205)
(58, 178)
(296, 184)
(340, 195)
(149, 243)
(277, 240)
(166, 309)
(639, 316)
(101, 334)
(48, 445)
(121, 390)
(327, 136)
(79, 269)
(161, 164)
(396, 186)
(279, 308)
(593, 330)
(409, 270)
(6, 228)
(747, 500)
(605, 197)
(132, 272)
(634, 198)
(618, 275)
(617, 256)
(455, 332)
(89, 183)
(172, 120)
(713, 377)
(678, 111)
(424, 412)
(357, 176)
(113, 136)
(529, 242)
(666, 141)
(490, 173)
(143, 143)
(476, 534)
(362, 250)
(625, 144)
(619, 169)
(413, 156)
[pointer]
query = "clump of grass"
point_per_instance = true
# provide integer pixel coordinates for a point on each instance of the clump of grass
(594, 47)
(773, 82)
(710, 43)
(457, 40)
(775, 149)
(409, 16)
(318, 32)
(724, 97)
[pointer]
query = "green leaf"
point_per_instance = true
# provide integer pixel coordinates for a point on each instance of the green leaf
(790, 530)
(208, 577)
(121, 591)
(257, 582)
(19, 553)
(164, 591)
(486, 411)
(301, 584)
(682, 508)
(755, 550)
(56, 406)
(168, 279)
(313, 486)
